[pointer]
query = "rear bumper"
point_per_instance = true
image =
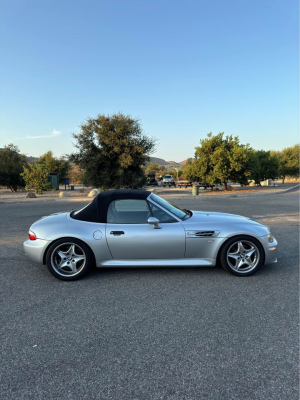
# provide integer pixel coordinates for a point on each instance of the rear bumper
(270, 249)
(35, 249)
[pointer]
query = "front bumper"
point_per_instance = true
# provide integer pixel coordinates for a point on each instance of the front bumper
(35, 249)
(270, 249)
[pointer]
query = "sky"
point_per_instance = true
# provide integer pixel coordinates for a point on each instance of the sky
(184, 68)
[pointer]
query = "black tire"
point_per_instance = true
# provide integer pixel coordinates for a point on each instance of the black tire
(66, 262)
(241, 263)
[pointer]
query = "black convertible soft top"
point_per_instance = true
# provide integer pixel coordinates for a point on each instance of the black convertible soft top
(96, 211)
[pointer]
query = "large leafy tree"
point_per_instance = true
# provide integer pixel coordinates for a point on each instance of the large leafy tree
(60, 165)
(11, 166)
(152, 167)
(221, 159)
(288, 162)
(36, 177)
(264, 166)
(112, 150)
(191, 170)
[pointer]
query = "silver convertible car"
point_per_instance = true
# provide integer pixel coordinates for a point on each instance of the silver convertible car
(138, 228)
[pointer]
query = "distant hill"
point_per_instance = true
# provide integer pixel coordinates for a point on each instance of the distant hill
(161, 161)
(31, 159)
(172, 163)
(183, 162)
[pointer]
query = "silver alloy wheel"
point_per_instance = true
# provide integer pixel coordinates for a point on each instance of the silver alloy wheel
(243, 256)
(68, 259)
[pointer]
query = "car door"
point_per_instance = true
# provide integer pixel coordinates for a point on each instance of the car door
(130, 237)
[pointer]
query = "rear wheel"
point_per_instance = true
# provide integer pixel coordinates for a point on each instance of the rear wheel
(242, 256)
(69, 259)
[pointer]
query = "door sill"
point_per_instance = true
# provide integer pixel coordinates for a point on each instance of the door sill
(188, 262)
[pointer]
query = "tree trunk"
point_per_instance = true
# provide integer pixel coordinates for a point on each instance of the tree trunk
(283, 178)
(226, 187)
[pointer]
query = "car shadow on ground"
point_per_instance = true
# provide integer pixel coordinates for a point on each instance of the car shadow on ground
(100, 273)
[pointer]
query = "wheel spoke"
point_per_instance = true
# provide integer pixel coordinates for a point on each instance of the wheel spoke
(73, 266)
(250, 252)
(234, 255)
(62, 264)
(249, 262)
(63, 255)
(72, 250)
(78, 258)
(239, 264)
(241, 248)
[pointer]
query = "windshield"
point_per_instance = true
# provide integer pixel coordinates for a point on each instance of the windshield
(168, 176)
(170, 207)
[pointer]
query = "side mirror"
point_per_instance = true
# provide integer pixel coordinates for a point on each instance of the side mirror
(154, 221)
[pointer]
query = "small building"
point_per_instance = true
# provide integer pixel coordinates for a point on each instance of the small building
(53, 177)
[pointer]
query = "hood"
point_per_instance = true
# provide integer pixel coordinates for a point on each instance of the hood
(200, 215)
(227, 224)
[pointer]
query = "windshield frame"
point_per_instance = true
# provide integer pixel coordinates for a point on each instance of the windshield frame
(175, 211)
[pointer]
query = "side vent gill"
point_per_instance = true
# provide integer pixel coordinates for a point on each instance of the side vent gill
(204, 233)
(200, 234)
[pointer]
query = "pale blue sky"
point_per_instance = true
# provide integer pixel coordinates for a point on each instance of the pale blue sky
(185, 68)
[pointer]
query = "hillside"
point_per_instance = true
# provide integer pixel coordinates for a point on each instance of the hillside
(161, 161)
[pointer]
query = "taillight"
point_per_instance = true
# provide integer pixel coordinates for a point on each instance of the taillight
(32, 235)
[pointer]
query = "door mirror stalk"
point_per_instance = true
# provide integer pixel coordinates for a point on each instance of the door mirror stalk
(155, 222)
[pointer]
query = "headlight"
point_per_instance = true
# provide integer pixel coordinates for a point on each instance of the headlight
(270, 237)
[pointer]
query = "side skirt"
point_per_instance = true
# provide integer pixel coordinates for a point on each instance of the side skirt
(188, 262)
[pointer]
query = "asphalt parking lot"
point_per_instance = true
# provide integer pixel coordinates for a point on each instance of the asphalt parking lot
(156, 333)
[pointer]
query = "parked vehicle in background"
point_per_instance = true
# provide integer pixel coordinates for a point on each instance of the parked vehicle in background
(168, 180)
(151, 180)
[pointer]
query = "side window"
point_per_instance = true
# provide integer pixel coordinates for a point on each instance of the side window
(128, 212)
(160, 214)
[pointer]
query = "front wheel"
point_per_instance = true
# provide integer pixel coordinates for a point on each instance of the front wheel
(69, 259)
(242, 255)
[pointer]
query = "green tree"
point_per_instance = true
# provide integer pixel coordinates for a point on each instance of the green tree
(36, 176)
(112, 150)
(60, 165)
(221, 159)
(264, 166)
(152, 167)
(11, 166)
(288, 162)
(190, 170)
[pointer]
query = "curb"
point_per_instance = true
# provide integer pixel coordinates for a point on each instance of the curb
(170, 196)
(227, 196)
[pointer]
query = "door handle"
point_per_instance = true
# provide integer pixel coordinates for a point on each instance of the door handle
(117, 233)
